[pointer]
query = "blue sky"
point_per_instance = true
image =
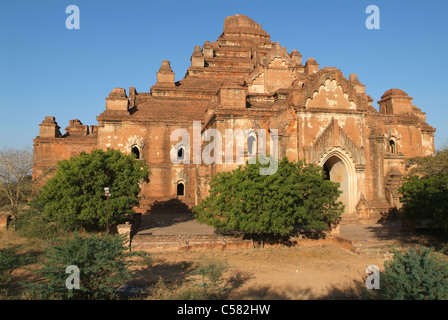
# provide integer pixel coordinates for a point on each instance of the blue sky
(48, 70)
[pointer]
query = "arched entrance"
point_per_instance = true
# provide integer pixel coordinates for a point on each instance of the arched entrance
(337, 172)
(340, 168)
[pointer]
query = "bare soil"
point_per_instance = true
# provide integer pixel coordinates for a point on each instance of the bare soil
(300, 272)
(320, 271)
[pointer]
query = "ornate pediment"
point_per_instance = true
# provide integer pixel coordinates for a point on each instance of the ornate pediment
(335, 136)
(330, 95)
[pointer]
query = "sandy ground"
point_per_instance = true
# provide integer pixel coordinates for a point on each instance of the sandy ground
(319, 271)
(301, 272)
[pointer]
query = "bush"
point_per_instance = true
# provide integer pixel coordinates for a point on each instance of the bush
(10, 260)
(211, 273)
(33, 225)
(415, 275)
(103, 262)
(74, 197)
(425, 199)
(262, 205)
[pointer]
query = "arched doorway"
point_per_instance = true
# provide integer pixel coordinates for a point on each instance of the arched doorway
(340, 168)
(337, 172)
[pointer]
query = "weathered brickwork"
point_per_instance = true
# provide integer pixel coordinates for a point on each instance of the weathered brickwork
(245, 81)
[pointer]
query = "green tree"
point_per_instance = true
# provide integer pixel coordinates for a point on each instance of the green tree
(245, 201)
(424, 190)
(414, 275)
(74, 197)
(429, 165)
(104, 265)
(425, 200)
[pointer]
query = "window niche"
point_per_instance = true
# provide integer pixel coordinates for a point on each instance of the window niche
(392, 146)
(181, 153)
(136, 150)
(180, 188)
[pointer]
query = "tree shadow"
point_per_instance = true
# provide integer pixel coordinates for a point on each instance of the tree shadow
(236, 280)
(289, 240)
(355, 292)
(169, 272)
(391, 215)
(176, 275)
(164, 214)
(267, 292)
(172, 206)
(391, 230)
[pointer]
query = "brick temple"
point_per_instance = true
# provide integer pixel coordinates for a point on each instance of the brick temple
(244, 80)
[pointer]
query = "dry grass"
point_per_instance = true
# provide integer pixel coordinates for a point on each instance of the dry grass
(321, 271)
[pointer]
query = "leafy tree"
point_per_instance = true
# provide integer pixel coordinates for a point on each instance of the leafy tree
(425, 199)
(245, 201)
(424, 190)
(415, 275)
(429, 165)
(15, 176)
(103, 262)
(74, 197)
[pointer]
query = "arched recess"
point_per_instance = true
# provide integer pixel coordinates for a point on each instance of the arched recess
(180, 188)
(340, 167)
(181, 153)
(252, 144)
(136, 150)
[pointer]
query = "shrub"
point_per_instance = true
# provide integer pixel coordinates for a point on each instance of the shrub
(211, 273)
(33, 225)
(262, 205)
(425, 199)
(103, 262)
(415, 275)
(74, 197)
(10, 260)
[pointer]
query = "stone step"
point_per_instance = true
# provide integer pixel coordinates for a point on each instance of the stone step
(384, 248)
(162, 242)
(349, 219)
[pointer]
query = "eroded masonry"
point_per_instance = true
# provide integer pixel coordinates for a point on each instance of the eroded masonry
(245, 80)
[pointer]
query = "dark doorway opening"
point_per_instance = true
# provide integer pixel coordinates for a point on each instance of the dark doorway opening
(180, 189)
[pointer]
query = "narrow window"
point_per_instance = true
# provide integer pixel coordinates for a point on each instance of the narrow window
(136, 151)
(180, 153)
(392, 147)
(180, 189)
(251, 145)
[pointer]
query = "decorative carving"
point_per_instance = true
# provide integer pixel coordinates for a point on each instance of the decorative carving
(335, 136)
(134, 141)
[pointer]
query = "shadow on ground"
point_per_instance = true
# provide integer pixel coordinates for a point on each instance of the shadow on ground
(170, 206)
(266, 292)
(391, 231)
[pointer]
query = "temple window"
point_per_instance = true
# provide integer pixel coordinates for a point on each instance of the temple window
(180, 189)
(135, 150)
(251, 145)
(181, 153)
(392, 146)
